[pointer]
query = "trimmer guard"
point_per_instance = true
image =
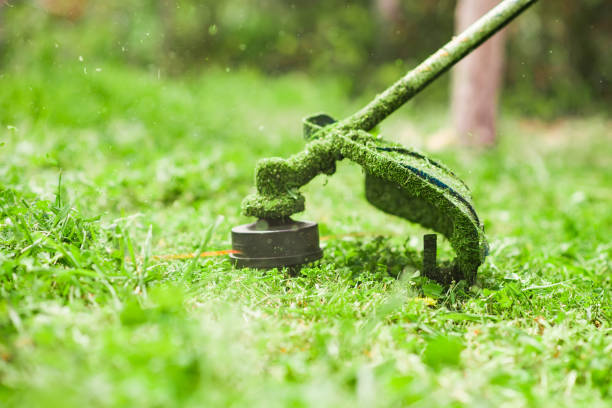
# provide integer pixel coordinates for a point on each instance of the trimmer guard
(408, 184)
(423, 191)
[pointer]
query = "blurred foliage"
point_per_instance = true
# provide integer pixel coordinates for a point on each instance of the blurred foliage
(557, 52)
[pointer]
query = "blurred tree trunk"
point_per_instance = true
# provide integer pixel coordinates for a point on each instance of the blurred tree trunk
(2, 3)
(71, 9)
(389, 14)
(389, 10)
(476, 80)
(168, 60)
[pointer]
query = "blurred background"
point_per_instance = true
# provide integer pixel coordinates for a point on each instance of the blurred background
(130, 128)
(558, 55)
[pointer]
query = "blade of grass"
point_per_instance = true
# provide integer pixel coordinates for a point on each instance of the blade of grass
(188, 271)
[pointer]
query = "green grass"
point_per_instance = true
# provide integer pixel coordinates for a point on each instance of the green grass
(101, 172)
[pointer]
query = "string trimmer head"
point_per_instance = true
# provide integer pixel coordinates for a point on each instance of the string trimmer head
(275, 243)
(398, 180)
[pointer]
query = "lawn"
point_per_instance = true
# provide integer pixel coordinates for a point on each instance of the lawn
(108, 174)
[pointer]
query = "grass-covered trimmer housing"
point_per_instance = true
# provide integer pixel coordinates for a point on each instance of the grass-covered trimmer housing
(399, 180)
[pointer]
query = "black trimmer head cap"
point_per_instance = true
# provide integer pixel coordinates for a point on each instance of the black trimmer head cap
(275, 243)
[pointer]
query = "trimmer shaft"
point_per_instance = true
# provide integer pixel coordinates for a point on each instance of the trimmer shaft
(275, 243)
